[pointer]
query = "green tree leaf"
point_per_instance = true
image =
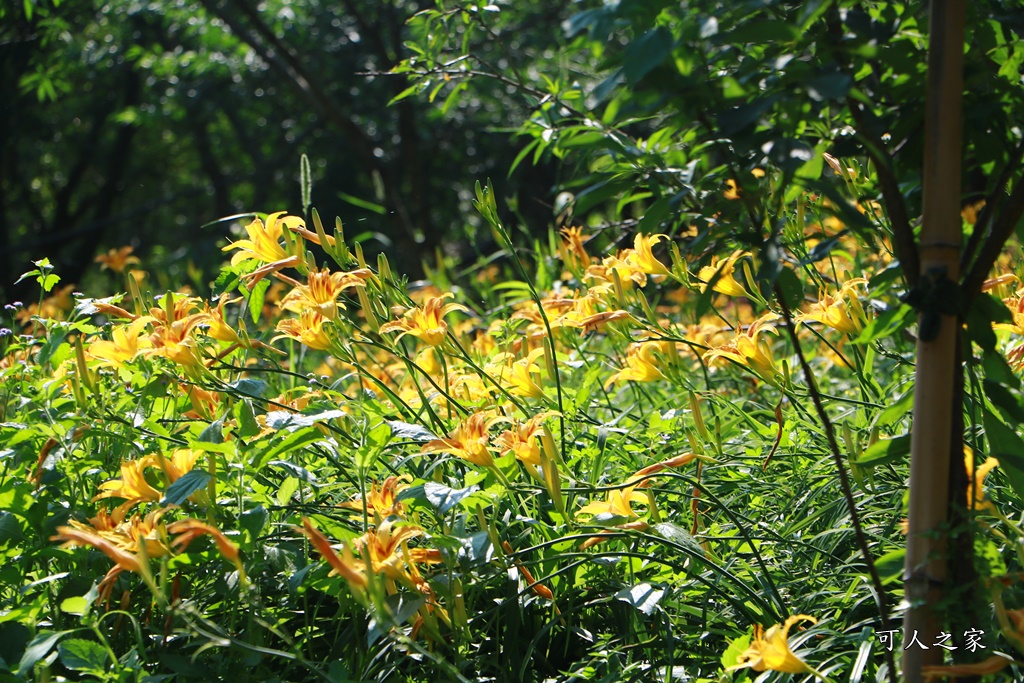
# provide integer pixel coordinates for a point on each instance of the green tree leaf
(83, 655)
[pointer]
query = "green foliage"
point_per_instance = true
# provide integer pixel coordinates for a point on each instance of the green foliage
(570, 460)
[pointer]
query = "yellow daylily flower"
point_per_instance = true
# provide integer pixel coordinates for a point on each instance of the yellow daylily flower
(726, 283)
(770, 651)
(471, 387)
(469, 441)
(628, 272)
(643, 254)
(264, 243)
(1016, 305)
(428, 361)
(841, 311)
(518, 374)
(308, 329)
(642, 361)
(586, 315)
(127, 341)
(523, 439)
(218, 326)
(571, 248)
(749, 350)
(619, 502)
(129, 544)
(322, 290)
(732, 193)
(133, 486)
(425, 322)
(976, 481)
(172, 335)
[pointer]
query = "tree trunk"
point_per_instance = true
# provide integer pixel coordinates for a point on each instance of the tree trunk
(937, 362)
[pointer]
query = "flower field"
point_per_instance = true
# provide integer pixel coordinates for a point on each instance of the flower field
(596, 456)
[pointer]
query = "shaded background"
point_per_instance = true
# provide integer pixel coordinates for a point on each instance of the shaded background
(135, 123)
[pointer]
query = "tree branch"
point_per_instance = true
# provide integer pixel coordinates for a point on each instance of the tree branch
(903, 241)
(272, 50)
(1002, 228)
(982, 225)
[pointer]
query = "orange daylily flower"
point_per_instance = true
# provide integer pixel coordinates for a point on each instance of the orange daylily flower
(991, 665)
(117, 259)
(345, 564)
(998, 281)
(204, 403)
(384, 551)
(677, 461)
(390, 555)
(425, 322)
(970, 211)
(381, 501)
(125, 560)
(535, 586)
(187, 530)
(129, 544)
(53, 307)
(596, 321)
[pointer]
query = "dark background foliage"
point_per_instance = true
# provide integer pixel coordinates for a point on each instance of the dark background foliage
(132, 122)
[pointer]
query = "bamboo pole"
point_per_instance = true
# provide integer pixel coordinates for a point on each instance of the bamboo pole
(925, 570)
